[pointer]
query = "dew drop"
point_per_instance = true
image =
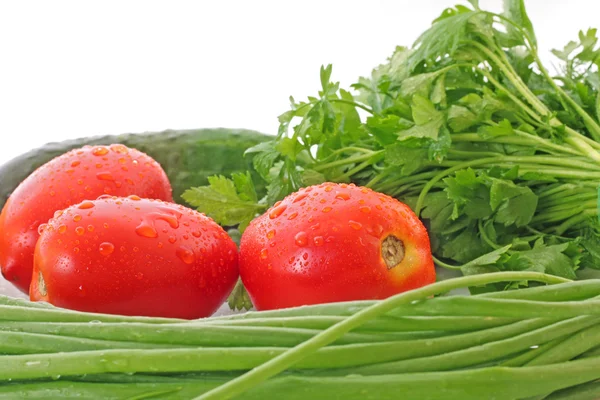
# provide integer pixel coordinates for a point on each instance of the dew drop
(264, 253)
(106, 248)
(322, 201)
(301, 239)
(318, 240)
(79, 230)
(315, 226)
(305, 256)
(76, 217)
(85, 205)
(300, 197)
(136, 249)
(146, 230)
(58, 213)
(119, 148)
(134, 197)
(90, 228)
(41, 228)
(378, 207)
(100, 151)
(271, 234)
(76, 250)
(328, 188)
(277, 211)
(355, 225)
(326, 209)
(196, 234)
(62, 228)
(52, 193)
(329, 239)
(292, 216)
(172, 239)
(185, 254)
(75, 163)
(342, 196)
(105, 225)
(105, 176)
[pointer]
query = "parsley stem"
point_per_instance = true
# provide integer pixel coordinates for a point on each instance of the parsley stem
(348, 161)
(485, 237)
(442, 264)
(353, 103)
(574, 220)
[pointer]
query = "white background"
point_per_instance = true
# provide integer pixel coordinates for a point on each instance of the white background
(73, 68)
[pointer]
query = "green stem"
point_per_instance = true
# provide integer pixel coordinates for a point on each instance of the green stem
(590, 123)
(447, 172)
(353, 103)
(574, 220)
(346, 161)
(280, 363)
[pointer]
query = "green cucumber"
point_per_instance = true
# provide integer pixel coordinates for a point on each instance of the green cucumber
(188, 157)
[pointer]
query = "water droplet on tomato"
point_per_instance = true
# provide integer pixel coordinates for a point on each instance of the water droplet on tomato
(301, 239)
(305, 256)
(172, 239)
(271, 234)
(365, 209)
(105, 225)
(318, 240)
(326, 209)
(136, 249)
(328, 188)
(277, 211)
(378, 207)
(139, 276)
(342, 196)
(90, 228)
(292, 216)
(322, 201)
(185, 254)
(105, 176)
(76, 217)
(41, 228)
(146, 230)
(329, 239)
(264, 253)
(196, 234)
(119, 148)
(100, 151)
(106, 248)
(58, 213)
(79, 230)
(62, 228)
(85, 205)
(76, 250)
(134, 197)
(52, 193)
(300, 197)
(75, 163)
(315, 226)
(355, 225)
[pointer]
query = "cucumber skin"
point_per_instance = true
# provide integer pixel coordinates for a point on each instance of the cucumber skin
(188, 157)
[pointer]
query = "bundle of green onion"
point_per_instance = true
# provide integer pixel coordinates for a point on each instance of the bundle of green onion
(542, 342)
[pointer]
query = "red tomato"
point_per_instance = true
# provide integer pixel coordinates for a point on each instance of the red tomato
(334, 242)
(80, 174)
(133, 256)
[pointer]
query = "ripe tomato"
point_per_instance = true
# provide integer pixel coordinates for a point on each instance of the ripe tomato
(133, 256)
(80, 174)
(334, 242)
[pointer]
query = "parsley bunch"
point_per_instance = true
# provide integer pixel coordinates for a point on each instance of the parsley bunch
(498, 156)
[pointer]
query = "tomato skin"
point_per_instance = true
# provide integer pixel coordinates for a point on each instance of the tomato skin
(133, 256)
(324, 244)
(80, 174)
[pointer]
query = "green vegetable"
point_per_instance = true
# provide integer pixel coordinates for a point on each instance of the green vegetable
(499, 157)
(413, 344)
(188, 157)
